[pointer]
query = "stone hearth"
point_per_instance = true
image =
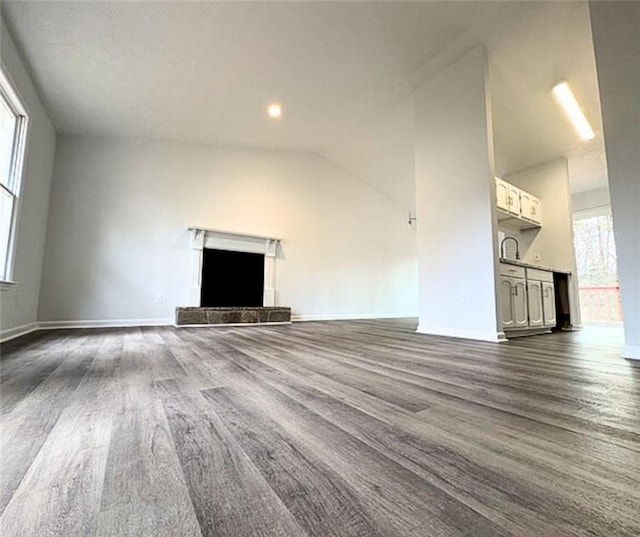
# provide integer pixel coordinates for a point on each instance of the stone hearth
(252, 315)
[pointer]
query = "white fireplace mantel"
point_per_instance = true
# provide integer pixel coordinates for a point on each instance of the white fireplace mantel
(202, 238)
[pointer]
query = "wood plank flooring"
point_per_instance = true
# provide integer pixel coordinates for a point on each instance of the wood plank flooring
(355, 428)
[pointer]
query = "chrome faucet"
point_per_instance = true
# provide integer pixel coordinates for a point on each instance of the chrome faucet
(502, 254)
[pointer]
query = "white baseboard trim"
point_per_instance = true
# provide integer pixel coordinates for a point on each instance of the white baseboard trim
(17, 331)
(11, 333)
(103, 323)
(493, 337)
(631, 352)
(350, 317)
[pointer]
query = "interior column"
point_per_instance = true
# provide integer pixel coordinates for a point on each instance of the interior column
(455, 200)
(616, 42)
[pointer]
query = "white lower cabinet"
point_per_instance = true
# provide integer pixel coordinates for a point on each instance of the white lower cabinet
(527, 298)
(549, 304)
(534, 298)
(542, 280)
(520, 303)
(506, 303)
(513, 297)
(513, 302)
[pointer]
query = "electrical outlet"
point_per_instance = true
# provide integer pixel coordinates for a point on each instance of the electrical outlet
(157, 299)
(536, 257)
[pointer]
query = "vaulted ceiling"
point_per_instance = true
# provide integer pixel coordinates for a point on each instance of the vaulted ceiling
(344, 71)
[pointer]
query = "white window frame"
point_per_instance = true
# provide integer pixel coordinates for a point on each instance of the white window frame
(18, 155)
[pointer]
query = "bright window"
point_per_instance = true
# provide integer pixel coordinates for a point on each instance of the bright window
(597, 267)
(13, 129)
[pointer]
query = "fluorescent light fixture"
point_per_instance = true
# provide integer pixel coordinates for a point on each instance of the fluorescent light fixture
(274, 110)
(567, 99)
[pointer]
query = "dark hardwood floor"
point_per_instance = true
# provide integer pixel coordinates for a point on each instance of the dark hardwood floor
(359, 428)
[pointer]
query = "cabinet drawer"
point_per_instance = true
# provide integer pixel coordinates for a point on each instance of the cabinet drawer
(511, 270)
(539, 275)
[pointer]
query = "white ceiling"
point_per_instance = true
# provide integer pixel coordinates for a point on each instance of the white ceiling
(345, 72)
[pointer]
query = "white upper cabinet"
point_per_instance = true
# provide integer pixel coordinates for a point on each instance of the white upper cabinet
(530, 207)
(502, 194)
(514, 200)
(535, 214)
(516, 207)
(525, 204)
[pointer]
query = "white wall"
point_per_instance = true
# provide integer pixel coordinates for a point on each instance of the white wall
(455, 203)
(120, 211)
(383, 154)
(596, 201)
(20, 302)
(616, 27)
(554, 241)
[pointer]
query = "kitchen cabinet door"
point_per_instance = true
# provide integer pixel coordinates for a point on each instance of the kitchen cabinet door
(548, 304)
(535, 210)
(506, 303)
(519, 300)
(525, 204)
(514, 200)
(534, 295)
(530, 207)
(502, 194)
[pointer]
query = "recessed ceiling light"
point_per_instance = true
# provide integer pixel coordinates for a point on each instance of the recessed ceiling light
(274, 110)
(567, 99)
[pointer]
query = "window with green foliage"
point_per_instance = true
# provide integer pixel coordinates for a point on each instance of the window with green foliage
(597, 268)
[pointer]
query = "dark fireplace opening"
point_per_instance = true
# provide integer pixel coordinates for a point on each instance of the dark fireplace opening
(231, 279)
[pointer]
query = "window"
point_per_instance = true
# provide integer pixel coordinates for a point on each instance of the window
(593, 238)
(13, 129)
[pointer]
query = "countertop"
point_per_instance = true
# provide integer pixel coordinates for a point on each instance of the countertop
(529, 265)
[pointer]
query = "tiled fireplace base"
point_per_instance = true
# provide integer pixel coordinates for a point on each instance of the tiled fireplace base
(212, 316)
